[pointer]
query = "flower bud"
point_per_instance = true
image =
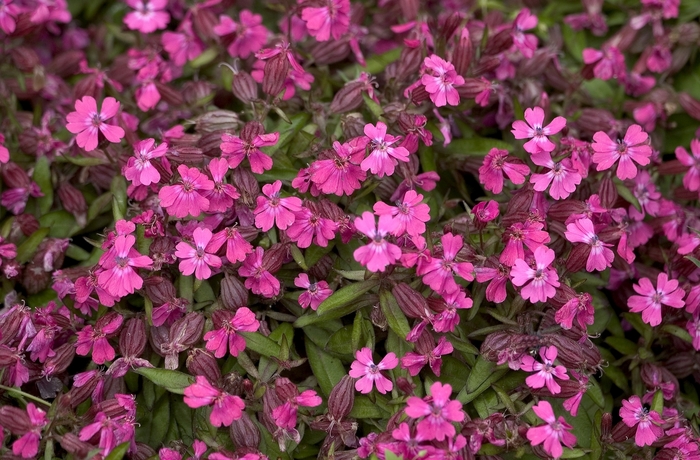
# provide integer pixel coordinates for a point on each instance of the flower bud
(409, 9)
(66, 63)
(73, 201)
(210, 143)
(245, 433)
(574, 354)
(411, 302)
(217, 120)
(143, 452)
(607, 192)
(58, 363)
(187, 330)
(419, 95)
(276, 256)
(486, 64)
(330, 52)
(15, 419)
(578, 257)
(690, 105)
(24, 58)
(621, 432)
(14, 176)
(275, 74)
(247, 185)
(244, 87)
(204, 21)
(409, 62)
(321, 269)
(132, 339)
(562, 209)
(463, 53)
(233, 293)
(169, 94)
(498, 43)
(449, 25)
(682, 364)
(342, 398)
(376, 316)
(348, 98)
(197, 93)
(160, 290)
(72, 444)
(202, 362)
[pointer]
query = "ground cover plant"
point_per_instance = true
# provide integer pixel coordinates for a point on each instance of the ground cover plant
(392, 229)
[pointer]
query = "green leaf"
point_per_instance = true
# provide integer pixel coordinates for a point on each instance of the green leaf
(342, 297)
(26, 250)
(289, 130)
(627, 194)
(693, 260)
(482, 375)
(476, 146)
(61, 224)
(298, 257)
(173, 381)
(657, 404)
(82, 161)
(364, 408)
(394, 316)
(575, 42)
(119, 199)
(373, 107)
(624, 346)
(327, 369)
(260, 344)
(119, 451)
(677, 331)
(205, 58)
(42, 176)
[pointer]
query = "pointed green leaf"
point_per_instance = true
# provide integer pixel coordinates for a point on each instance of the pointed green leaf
(173, 381)
(394, 316)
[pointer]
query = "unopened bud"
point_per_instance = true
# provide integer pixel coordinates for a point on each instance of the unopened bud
(562, 209)
(217, 120)
(66, 64)
(690, 105)
(159, 290)
(58, 363)
(321, 269)
(498, 43)
(24, 58)
(247, 185)
(73, 201)
(197, 93)
(449, 25)
(233, 293)
(342, 398)
(72, 444)
(15, 419)
(409, 9)
(132, 340)
(245, 433)
(203, 362)
(486, 64)
(275, 74)
(607, 192)
(578, 257)
(14, 176)
(210, 143)
(621, 432)
(244, 87)
(463, 53)
(187, 330)
(348, 98)
(168, 94)
(143, 452)
(682, 364)
(377, 317)
(419, 95)
(409, 62)
(275, 257)
(204, 21)
(330, 52)
(574, 354)
(411, 302)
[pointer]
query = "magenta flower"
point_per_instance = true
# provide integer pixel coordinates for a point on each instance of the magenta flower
(119, 276)
(315, 293)
(607, 63)
(237, 248)
(496, 164)
(201, 257)
(8, 16)
(369, 374)
(546, 372)
(340, 173)
(258, 278)
(383, 156)
(250, 34)
(224, 336)
(553, 434)
(629, 150)
(529, 234)
(331, 19)
(310, 225)
(647, 421)
(285, 415)
(185, 199)
(27, 445)
(499, 276)
(87, 122)
(582, 231)
(650, 299)
(539, 283)
(562, 175)
(440, 80)
(227, 408)
(148, 17)
(378, 253)
(580, 308)
(691, 180)
(96, 338)
(408, 216)
(237, 149)
(448, 317)
(4, 153)
(139, 169)
(275, 211)
(537, 133)
(427, 354)
(221, 197)
(526, 43)
(438, 272)
(438, 412)
(182, 46)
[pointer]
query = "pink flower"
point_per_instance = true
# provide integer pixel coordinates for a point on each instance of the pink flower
(440, 80)
(237, 149)
(562, 175)
(484, 212)
(693, 328)
(285, 415)
(539, 283)
(529, 233)
(182, 46)
(139, 169)
(222, 195)
(438, 412)
(526, 43)
(438, 272)
(378, 253)
(582, 231)
(534, 130)
(200, 258)
(631, 149)
(8, 16)
(258, 278)
(498, 275)
(553, 433)
(579, 307)
(185, 198)
(546, 372)
(275, 211)
(427, 354)
(448, 317)
(96, 338)
(27, 445)
(647, 422)
(310, 225)
(315, 293)
(4, 153)
(408, 216)
(87, 121)
(369, 374)
(148, 17)
(237, 248)
(383, 155)
(691, 180)
(332, 19)
(227, 408)
(607, 63)
(340, 174)
(119, 277)
(650, 299)
(496, 164)
(224, 336)
(251, 35)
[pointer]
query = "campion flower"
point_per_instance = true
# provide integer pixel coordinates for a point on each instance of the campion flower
(561, 175)
(484, 212)
(438, 273)
(139, 169)
(201, 258)
(691, 180)
(580, 308)
(607, 62)
(498, 163)
(438, 412)
(95, 339)
(340, 173)
(440, 80)
(285, 416)
(87, 122)
(448, 317)
(545, 372)
(224, 337)
(183, 45)
(553, 434)
(378, 253)
(414, 362)
(370, 374)
(315, 293)
(537, 133)
(331, 19)
(222, 196)
(499, 275)
(27, 445)
(258, 278)
(383, 155)
(583, 231)
(526, 43)
(8, 16)
(693, 328)
(309, 225)
(186, 197)
(408, 216)
(647, 421)
(650, 298)
(119, 276)
(148, 17)
(539, 283)
(627, 151)
(519, 235)
(274, 210)
(237, 248)
(4, 153)
(236, 149)
(647, 195)
(250, 33)
(227, 408)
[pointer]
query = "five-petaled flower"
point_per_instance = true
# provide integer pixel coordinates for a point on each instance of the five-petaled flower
(647, 421)
(650, 298)
(440, 80)
(545, 371)
(227, 408)
(438, 412)
(539, 283)
(200, 258)
(538, 134)
(628, 151)
(370, 374)
(224, 336)
(87, 122)
(553, 433)
(378, 253)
